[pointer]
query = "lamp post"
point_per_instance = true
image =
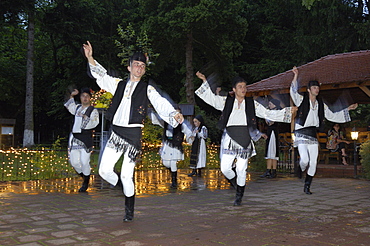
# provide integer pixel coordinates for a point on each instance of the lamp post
(354, 136)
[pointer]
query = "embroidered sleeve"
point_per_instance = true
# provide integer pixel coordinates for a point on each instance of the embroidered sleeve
(162, 106)
(296, 97)
(71, 106)
(92, 121)
(283, 115)
(104, 81)
(339, 117)
(203, 133)
(206, 94)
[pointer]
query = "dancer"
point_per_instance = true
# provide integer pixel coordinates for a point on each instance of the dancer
(172, 150)
(272, 143)
(336, 141)
(198, 156)
(239, 122)
(310, 119)
(80, 143)
(127, 114)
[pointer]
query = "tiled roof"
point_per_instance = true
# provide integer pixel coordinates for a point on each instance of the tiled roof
(339, 71)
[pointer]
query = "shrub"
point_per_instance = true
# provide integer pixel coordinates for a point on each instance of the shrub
(365, 158)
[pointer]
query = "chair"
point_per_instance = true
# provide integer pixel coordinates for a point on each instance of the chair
(324, 153)
(285, 149)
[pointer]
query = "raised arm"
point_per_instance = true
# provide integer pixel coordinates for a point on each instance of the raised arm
(206, 94)
(296, 97)
(104, 81)
(70, 104)
(88, 50)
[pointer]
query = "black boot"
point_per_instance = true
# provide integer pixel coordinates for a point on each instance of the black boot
(307, 184)
(199, 170)
(194, 172)
(129, 208)
(174, 179)
(267, 174)
(85, 183)
(239, 195)
(233, 182)
(273, 174)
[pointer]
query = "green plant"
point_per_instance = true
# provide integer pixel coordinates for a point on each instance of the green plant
(258, 162)
(365, 158)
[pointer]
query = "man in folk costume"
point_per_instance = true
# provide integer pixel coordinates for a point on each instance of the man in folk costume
(239, 122)
(310, 118)
(127, 114)
(86, 118)
(172, 150)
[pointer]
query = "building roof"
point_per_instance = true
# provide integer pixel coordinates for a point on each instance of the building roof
(348, 72)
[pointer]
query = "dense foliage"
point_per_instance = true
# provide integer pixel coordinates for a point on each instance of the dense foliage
(256, 39)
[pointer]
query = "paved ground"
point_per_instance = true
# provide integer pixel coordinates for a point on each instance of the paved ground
(200, 212)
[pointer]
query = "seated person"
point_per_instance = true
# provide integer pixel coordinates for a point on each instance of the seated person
(336, 141)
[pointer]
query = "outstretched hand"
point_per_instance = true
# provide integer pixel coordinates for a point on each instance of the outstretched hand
(179, 118)
(353, 106)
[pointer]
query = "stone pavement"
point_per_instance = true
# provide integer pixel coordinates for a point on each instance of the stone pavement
(200, 212)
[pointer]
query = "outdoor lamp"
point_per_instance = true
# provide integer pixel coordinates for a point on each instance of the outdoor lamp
(354, 136)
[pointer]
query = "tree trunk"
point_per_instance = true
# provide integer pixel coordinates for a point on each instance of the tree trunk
(28, 137)
(189, 85)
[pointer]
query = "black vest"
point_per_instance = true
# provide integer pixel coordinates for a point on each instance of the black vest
(139, 102)
(304, 109)
(87, 113)
(249, 112)
(85, 135)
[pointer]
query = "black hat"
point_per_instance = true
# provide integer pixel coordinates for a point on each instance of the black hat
(85, 90)
(237, 80)
(138, 56)
(200, 118)
(313, 83)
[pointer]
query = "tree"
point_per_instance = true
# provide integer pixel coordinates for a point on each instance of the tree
(192, 33)
(28, 136)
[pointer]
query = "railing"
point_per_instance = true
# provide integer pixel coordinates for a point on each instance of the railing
(287, 155)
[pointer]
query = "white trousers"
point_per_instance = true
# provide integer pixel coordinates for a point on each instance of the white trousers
(308, 157)
(241, 168)
(80, 161)
(106, 170)
(170, 164)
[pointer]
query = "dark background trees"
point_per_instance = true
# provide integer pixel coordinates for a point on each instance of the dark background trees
(256, 39)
